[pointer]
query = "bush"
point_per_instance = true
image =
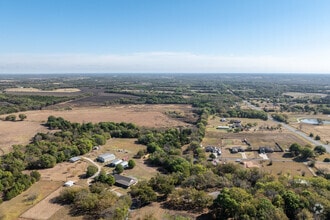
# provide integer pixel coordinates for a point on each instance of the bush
(131, 164)
(317, 137)
(91, 170)
(35, 175)
(326, 160)
(320, 149)
(10, 118)
(119, 168)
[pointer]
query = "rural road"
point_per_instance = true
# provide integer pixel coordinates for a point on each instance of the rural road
(90, 179)
(292, 129)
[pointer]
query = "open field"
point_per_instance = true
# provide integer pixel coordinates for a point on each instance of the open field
(141, 115)
(286, 168)
(66, 90)
(44, 209)
(11, 210)
(19, 132)
(302, 95)
(39, 92)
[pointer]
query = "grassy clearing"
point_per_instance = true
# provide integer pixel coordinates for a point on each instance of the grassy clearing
(286, 168)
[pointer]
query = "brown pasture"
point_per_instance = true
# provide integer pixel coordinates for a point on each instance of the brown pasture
(19, 132)
(142, 115)
(11, 210)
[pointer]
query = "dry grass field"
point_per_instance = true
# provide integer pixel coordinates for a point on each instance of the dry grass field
(142, 115)
(11, 210)
(286, 168)
(20, 132)
(66, 90)
(308, 95)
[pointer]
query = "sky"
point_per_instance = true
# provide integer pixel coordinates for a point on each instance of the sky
(164, 36)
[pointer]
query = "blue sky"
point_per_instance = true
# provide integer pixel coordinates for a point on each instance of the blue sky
(213, 36)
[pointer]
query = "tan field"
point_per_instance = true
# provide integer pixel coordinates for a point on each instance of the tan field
(68, 90)
(21, 132)
(11, 210)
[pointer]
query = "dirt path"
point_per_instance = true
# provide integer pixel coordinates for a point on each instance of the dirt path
(90, 179)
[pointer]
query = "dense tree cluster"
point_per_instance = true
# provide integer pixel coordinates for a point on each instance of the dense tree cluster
(247, 113)
(17, 103)
(96, 202)
(280, 117)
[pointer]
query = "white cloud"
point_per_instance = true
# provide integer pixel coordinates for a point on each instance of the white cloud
(159, 62)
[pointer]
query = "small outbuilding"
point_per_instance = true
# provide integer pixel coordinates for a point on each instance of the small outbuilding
(124, 181)
(68, 183)
(74, 159)
(115, 162)
(124, 164)
(103, 158)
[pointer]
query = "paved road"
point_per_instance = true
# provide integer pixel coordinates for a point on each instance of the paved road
(292, 129)
(90, 179)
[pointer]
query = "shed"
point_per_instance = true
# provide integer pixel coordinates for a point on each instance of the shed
(68, 183)
(124, 164)
(105, 157)
(74, 159)
(124, 181)
(115, 162)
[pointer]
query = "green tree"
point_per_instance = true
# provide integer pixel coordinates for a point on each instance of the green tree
(46, 161)
(35, 175)
(91, 170)
(103, 177)
(320, 149)
(292, 204)
(131, 164)
(317, 137)
(119, 168)
(295, 149)
(143, 193)
(306, 153)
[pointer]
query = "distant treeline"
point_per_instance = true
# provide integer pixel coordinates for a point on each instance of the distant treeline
(16, 103)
